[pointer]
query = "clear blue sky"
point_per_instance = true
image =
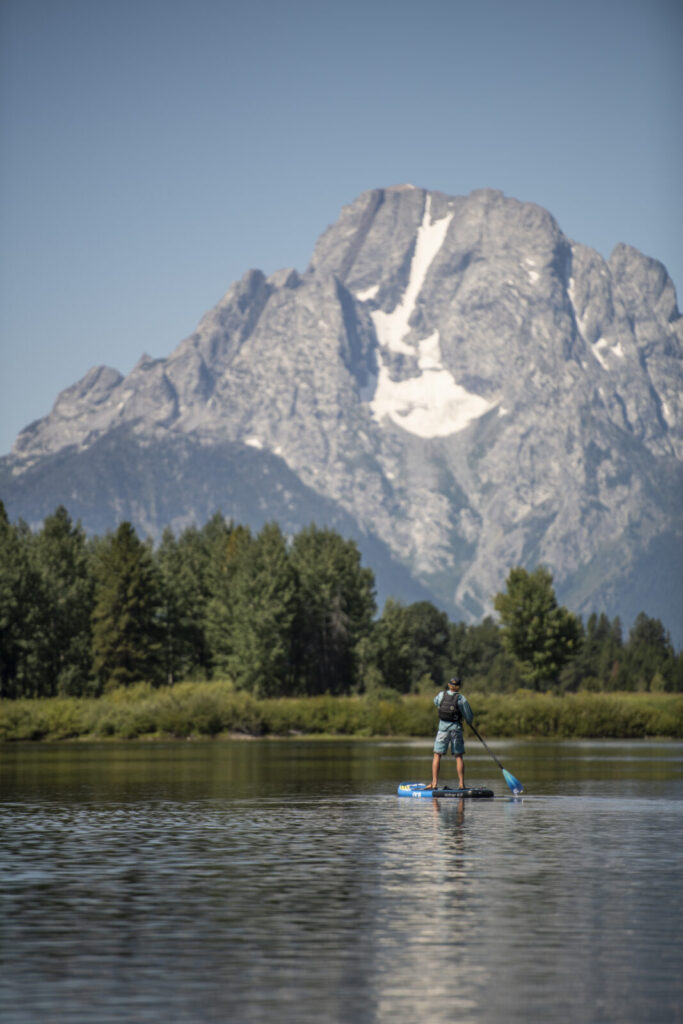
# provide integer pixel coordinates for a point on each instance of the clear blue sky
(154, 150)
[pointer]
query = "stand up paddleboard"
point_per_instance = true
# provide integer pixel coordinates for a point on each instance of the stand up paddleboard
(419, 789)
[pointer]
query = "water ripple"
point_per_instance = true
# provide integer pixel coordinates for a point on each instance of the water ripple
(153, 899)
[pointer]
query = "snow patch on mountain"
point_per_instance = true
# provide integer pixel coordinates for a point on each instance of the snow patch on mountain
(430, 404)
(580, 321)
(391, 328)
(367, 293)
(601, 346)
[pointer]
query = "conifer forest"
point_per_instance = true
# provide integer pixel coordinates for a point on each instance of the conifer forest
(283, 616)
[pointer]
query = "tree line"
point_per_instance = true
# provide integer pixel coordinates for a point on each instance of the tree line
(281, 616)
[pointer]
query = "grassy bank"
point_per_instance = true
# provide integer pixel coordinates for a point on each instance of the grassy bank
(212, 709)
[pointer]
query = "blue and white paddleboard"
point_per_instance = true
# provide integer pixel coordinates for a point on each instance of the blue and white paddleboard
(419, 790)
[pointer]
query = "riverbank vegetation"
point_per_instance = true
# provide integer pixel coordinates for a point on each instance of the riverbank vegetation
(279, 617)
(217, 709)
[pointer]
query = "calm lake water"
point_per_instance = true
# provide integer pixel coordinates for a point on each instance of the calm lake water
(285, 881)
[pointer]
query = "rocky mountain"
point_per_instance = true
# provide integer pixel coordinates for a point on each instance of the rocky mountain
(452, 381)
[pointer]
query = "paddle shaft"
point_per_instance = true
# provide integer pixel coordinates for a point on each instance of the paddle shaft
(486, 745)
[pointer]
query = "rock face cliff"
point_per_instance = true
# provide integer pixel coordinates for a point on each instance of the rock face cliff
(452, 381)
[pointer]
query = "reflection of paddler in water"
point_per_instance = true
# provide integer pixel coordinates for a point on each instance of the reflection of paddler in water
(449, 824)
(452, 707)
(459, 810)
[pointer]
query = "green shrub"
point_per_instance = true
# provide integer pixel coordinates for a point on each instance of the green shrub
(22, 720)
(208, 709)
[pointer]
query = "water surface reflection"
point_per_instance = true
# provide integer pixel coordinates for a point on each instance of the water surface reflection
(286, 881)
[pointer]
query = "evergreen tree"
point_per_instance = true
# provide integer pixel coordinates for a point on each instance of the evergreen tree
(612, 661)
(410, 644)
(474, 648)
(599, 662)
(184, 569)
(335, 606)
(539, 634)
(226, 545)
(171, 607)
(60, 656)
(428, 629)
(385, 655)
(127, 636)
(262, 608)
(19, 586)
(650, 656)
(476, 652)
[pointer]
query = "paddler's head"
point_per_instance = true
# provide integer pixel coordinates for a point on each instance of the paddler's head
(454, 684)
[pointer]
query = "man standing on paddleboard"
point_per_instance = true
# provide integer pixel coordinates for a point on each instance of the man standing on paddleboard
(453, 707)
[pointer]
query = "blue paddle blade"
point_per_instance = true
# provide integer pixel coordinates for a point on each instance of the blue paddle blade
(514, 784)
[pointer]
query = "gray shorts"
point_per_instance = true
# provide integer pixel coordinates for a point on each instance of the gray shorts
(452, 738)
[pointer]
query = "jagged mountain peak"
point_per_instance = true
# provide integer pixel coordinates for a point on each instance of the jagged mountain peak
(464, 382)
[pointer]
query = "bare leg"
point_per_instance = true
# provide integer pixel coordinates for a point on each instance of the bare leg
(436, 761)
(460, 765)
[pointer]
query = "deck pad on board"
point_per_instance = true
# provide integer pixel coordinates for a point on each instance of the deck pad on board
(419, 789)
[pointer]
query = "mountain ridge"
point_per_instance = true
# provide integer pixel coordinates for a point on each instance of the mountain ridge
(463, 382)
